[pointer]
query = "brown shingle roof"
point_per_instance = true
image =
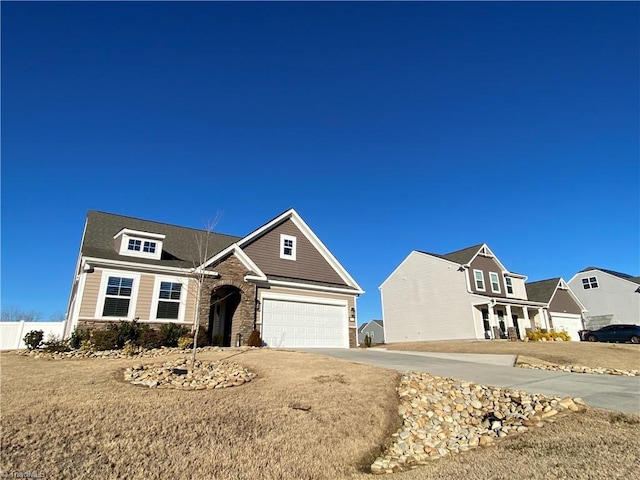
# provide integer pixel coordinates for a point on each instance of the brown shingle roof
(542, 290)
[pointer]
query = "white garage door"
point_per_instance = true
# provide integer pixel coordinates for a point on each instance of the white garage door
(304, 324)
(570, 323)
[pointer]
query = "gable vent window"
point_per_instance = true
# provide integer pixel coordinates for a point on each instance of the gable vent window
(169, 300)
(287, 247)
(591, 282)
(117, 297)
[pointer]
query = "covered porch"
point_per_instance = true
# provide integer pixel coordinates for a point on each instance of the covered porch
(495, 316)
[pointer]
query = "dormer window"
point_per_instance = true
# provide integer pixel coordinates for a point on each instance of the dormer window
(135, 243)
(287, 247)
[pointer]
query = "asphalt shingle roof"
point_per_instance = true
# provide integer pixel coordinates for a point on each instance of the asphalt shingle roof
(462, 257)
(614, 273)
(541, 291)
(179, 248)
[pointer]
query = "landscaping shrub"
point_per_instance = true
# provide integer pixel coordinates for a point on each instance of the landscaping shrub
(185, 341)
(77, 337)
(150, 338)
(254, 339)
(171, 333)
(33, 339)
(55, 343)
(367, 340)
(544, 335)
(105, 339)
(126, 331)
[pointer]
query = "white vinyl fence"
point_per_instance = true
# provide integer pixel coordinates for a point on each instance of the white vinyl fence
(12, 333)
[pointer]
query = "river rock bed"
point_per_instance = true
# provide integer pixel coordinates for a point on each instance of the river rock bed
(581, 369)
(177, 374)
(123, 353)
(444, 416)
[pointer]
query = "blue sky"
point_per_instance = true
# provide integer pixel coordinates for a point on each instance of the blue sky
(389, 127)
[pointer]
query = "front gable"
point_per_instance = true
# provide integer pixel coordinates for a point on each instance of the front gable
(285, 251)
(563, 301)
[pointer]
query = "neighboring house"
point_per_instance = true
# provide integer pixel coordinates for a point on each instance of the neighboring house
(563, 306)
(467, 294)
(373, 328)
(610, 297)
(279, 279)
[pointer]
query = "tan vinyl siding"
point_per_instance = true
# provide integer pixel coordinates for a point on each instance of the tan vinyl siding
(486, 265)
(90, 294)
(519, 289)
(563, 302)
(309, 263)
(145, 297)
(191, 293)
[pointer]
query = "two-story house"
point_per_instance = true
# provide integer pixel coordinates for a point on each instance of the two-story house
(280, 279)
(610, 297)
(466, 294)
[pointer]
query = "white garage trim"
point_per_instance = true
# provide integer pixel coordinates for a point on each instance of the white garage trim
(568, 322)
(304, 332)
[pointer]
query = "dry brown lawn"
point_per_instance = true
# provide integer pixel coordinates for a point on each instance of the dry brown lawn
(75, 419)
(608, 355)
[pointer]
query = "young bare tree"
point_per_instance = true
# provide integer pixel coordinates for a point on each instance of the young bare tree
(199, 274)
(16, 314)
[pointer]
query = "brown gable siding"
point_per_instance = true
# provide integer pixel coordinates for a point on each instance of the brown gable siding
(309, 263)
(487, 265)
(563, 303)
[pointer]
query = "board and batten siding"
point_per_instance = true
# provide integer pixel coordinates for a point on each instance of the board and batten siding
(563, 302)
(308, 265)
(426, 299)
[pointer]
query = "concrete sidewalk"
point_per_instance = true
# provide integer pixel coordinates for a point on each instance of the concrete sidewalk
(609, 392)
(489, 359)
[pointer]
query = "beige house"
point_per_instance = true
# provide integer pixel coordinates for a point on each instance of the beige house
(462, 295)
(280, 279)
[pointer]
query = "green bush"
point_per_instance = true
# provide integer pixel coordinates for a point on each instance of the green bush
(254, 339)
(77, 337)
(105, 339)
(33, 339)
(367, 340)
(171, 333)
(55, 343)
(126, 331)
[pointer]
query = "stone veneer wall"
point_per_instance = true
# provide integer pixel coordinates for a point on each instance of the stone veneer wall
(353, 337)
(232, 273)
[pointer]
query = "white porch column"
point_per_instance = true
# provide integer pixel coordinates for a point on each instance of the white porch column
(509, 317)
(543, 318)
(492, 321)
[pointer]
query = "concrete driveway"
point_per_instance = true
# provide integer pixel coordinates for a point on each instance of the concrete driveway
(609, 392)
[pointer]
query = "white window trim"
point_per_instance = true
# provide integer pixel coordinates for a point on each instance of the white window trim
(284, 237)
(124, 247)
(475, 279)
(102, 293)
(497, 277)
(153, 315)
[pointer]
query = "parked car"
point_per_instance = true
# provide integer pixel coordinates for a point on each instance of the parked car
(612, 333)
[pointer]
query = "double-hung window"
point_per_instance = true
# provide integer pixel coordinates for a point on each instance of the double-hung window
(169, 300)
(495, 282)
(117, 297)
(479, 278)
(509, 283)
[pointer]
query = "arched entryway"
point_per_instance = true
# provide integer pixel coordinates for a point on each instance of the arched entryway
(224, 302)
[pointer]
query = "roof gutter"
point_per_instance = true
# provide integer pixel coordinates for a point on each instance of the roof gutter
(94, 261)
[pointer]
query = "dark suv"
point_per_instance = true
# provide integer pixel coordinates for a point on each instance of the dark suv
(613, 333)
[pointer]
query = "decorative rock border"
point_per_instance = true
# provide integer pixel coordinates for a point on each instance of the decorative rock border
(177, 374)
(581, 369)
(123, 353)
(442, 416)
